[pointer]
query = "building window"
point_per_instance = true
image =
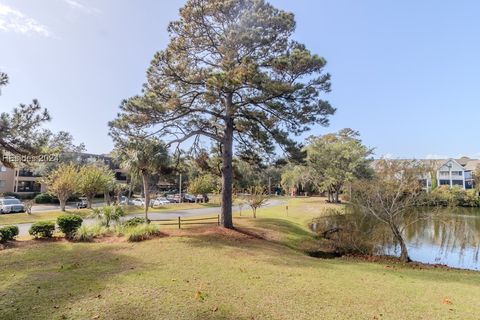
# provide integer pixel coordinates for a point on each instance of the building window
(3, 183)
(456, 173)
(444, 174)
(26, 173)
(28, 186)
(444, 182)
(3, 169)
(457, 182)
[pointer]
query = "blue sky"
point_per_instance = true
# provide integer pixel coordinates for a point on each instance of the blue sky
(404, 73)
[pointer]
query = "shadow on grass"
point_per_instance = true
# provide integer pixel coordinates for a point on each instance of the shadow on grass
(250, 242)
(48, 278)
(158, 310)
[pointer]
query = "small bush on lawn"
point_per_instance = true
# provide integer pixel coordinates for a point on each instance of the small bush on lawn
(69, 224)
(42, 229)
(43, 198)
(88, 233)
(107, 214)
(134, 222)
(8, 233)
(141, 232)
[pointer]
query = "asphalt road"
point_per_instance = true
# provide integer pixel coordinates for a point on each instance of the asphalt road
(55, 207)
(24, 227)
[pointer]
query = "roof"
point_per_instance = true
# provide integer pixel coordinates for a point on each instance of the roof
(467, 163)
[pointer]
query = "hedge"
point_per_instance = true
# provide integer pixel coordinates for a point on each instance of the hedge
(42, 229)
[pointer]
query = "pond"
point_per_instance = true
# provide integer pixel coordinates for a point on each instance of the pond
(450, 237)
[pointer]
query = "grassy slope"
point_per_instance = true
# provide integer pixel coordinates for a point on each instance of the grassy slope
(206, 275)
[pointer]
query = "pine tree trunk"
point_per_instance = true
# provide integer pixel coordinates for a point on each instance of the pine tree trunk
(226, 219)
(146, 195)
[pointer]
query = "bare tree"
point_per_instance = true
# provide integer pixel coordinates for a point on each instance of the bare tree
(391, 197)
(256, 198)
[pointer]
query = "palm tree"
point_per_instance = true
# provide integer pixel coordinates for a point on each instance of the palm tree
(143, 157)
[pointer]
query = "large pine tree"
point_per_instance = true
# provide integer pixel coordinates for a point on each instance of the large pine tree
(20, 132)
(231, 73)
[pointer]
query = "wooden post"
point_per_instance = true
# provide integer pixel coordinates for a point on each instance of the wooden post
(286, 209)
(179, 222)
(218, 219)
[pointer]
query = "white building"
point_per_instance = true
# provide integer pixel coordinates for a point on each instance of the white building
(453, 172)
(450, 172)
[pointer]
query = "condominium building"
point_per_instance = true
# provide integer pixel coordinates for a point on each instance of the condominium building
(449, 172)
(25, 181)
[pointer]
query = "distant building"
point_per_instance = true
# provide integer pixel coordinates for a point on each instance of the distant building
(25, 181)
(450, 172)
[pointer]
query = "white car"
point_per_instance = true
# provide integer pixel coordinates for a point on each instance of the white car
(11, 205)
(160, 202)
(138, 202)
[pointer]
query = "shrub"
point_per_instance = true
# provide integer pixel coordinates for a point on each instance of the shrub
(69, 224)
(42, 229)
(350, 231)
(141, 232)
(134, 222)
(43, 198)
(8, 233)
(108, 214)
(88, 233)
(456, 196)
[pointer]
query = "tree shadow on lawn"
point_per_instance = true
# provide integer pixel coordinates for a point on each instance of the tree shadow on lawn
(159, 310)
(245, 242)
(46, 279)
(289, 234)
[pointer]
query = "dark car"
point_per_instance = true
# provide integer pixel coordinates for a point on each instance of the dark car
(82, 203)
(189, 198)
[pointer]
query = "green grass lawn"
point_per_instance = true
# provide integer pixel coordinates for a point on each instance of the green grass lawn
(15, 218)
(217, 274)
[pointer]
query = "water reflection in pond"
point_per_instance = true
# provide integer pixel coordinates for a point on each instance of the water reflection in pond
(450, 237)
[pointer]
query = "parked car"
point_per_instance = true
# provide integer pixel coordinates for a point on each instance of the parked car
(124, 200)
(82, 203)
(173, 198)
(138, 202)
(11, 205)
(189, 198)
(160, 202)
